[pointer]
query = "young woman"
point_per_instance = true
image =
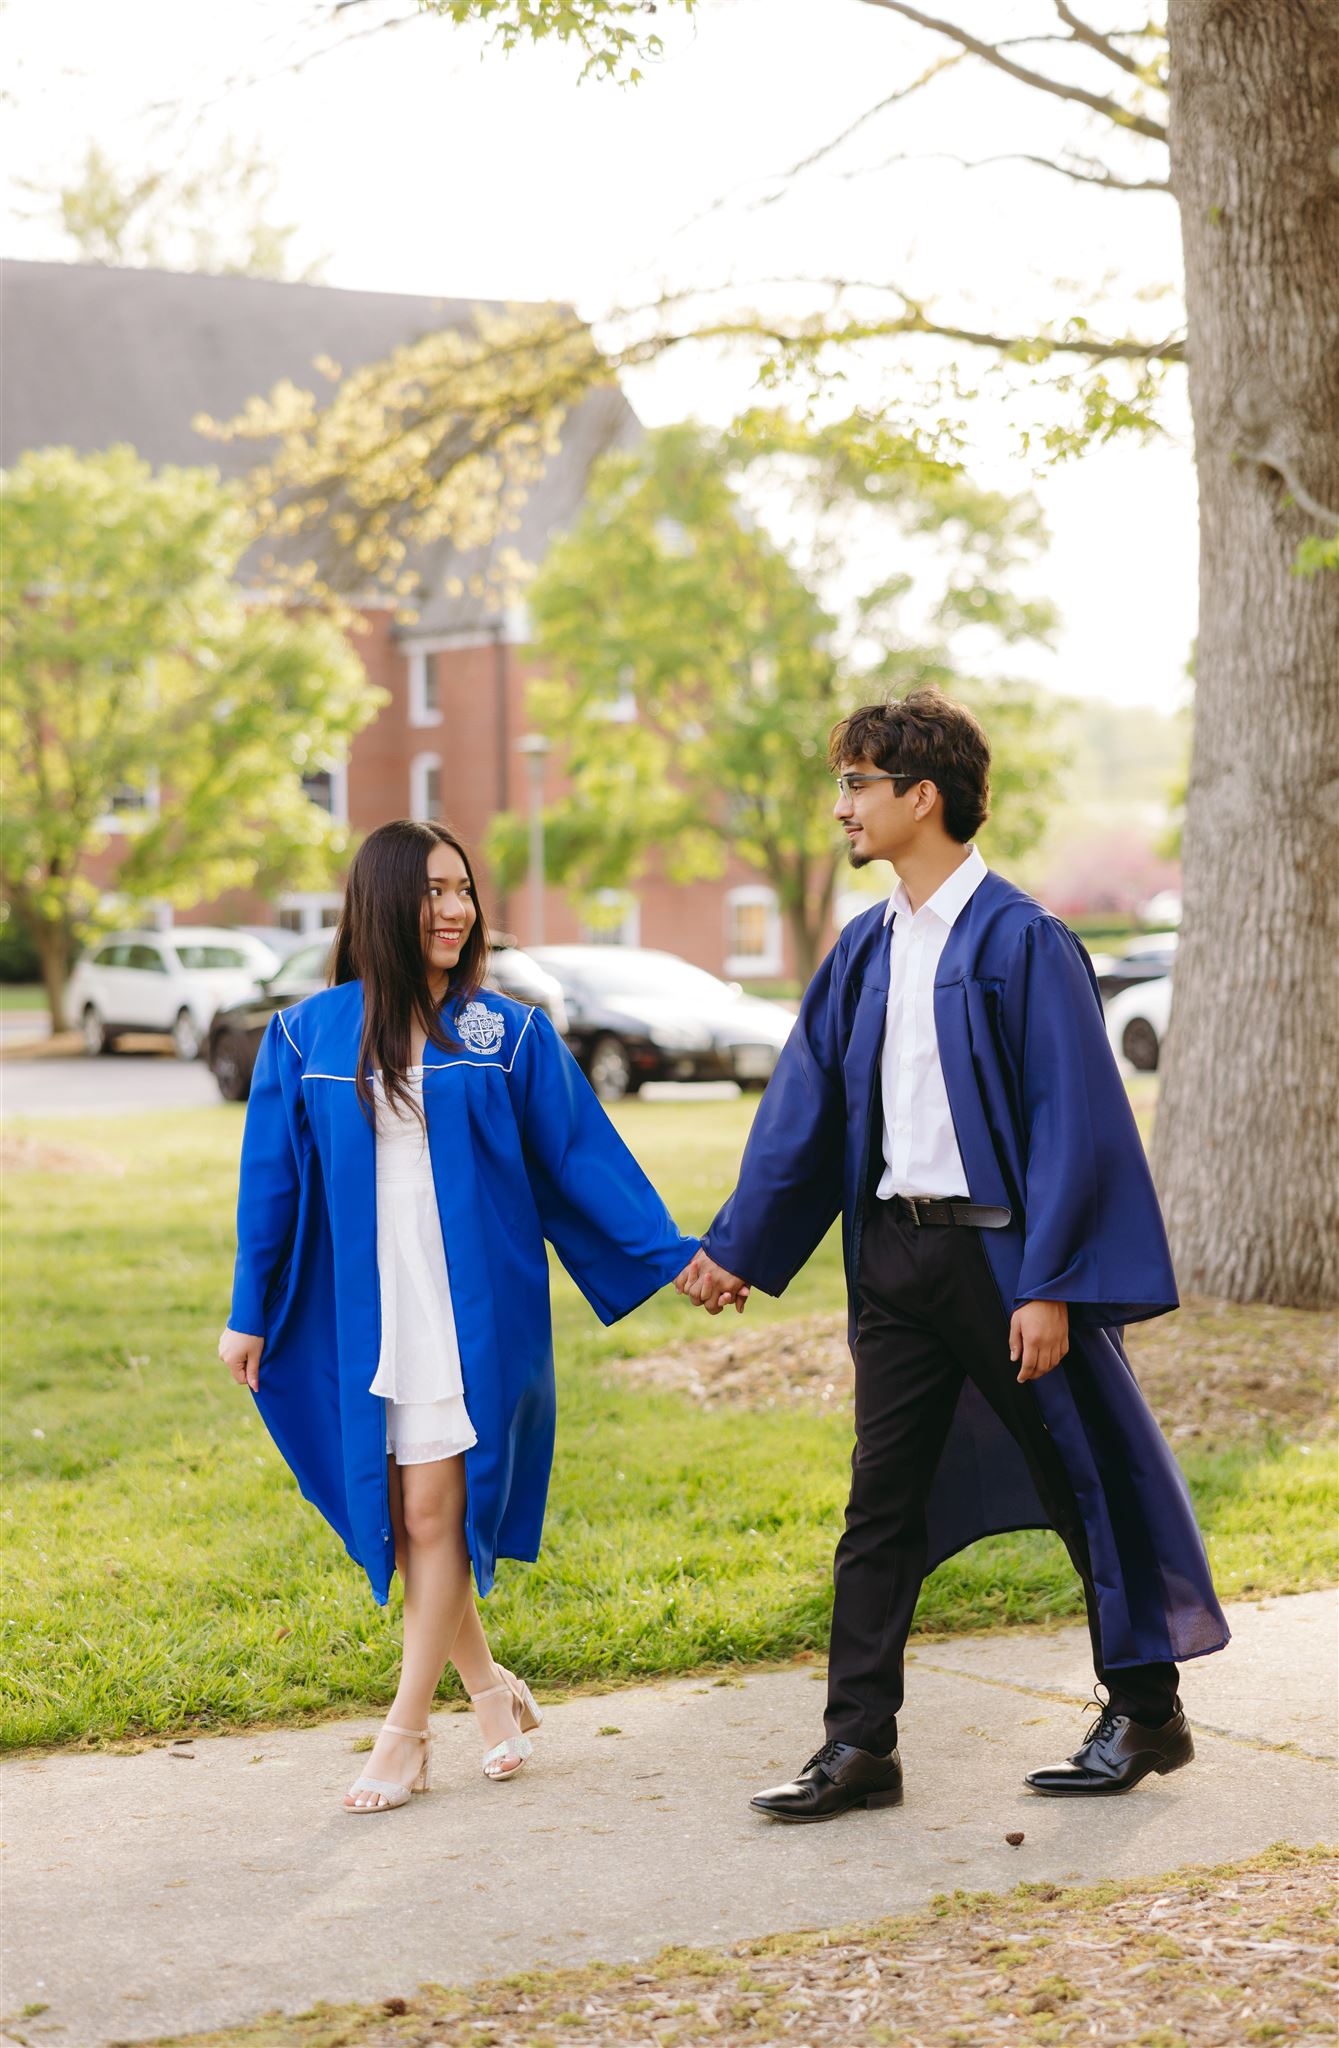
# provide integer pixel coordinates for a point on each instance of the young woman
(410, 1143)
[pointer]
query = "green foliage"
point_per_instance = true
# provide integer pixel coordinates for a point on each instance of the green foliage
(212, 219)
(132, 663)
(697, 666)
(1317, 552)
(611, 33)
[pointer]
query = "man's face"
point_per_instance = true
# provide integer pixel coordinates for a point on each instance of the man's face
(878, 816)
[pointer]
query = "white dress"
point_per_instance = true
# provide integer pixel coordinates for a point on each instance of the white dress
(418, 1372)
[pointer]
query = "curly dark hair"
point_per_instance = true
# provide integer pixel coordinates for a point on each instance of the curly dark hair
(931, 738)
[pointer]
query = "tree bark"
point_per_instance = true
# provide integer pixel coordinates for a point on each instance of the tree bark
(1247, 1142)
(53, 953)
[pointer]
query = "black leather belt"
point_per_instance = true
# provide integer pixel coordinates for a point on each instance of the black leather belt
(919, 1209)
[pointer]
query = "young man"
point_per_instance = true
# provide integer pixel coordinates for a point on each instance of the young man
(949, 1088)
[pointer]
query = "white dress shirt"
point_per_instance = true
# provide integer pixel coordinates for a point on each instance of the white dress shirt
(920, 1146)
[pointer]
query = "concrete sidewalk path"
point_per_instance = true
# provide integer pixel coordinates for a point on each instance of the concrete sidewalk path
(153, 1894)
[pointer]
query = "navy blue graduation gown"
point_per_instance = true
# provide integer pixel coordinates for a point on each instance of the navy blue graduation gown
(521, 1151)
(1044, 1129)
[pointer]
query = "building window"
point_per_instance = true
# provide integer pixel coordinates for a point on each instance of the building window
(425, 788)
(328, 789)
(424, 708)
(613, 917)
(752, 934)
(304, 910)
(621, 708)
(130, 805)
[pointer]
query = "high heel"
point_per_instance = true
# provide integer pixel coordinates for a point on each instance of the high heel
(505, 1758)
(393, 1795)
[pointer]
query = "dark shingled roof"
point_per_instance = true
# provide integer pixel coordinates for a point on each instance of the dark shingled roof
(94, 355)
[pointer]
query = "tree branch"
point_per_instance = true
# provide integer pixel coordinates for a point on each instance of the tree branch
(1099, 176)
(1121, 117)
(1095, 40)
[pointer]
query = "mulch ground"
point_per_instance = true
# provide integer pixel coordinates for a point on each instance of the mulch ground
(1212, 1373)
(1199, 1959)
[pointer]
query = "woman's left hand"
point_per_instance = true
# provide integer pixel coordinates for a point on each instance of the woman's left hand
(241, 1355)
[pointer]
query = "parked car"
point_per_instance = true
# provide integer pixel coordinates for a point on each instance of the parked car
(1144, 959)
(234, 1039)
(1137, 1022)
(173, 981)
(637, 1015)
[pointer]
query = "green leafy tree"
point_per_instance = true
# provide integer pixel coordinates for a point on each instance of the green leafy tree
(134, 664)
(217, 217)
(696, 667)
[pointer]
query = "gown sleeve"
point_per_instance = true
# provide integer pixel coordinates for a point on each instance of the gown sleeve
(596, 1207)
(1093, 1233)
(790, 1178)
(267, 1195)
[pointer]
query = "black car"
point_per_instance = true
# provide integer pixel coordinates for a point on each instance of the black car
(637, 1015)
(1145, 959)
(234, 1038)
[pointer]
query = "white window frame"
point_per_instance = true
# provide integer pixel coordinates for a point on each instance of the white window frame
(310, 903)
(755, 966)
(420, 711)
(129, 821)
(419, 769)
(628, 933)
(338, 771)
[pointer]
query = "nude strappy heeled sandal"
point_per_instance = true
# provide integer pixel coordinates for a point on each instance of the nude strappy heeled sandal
(393, 1795)
(505, 1758)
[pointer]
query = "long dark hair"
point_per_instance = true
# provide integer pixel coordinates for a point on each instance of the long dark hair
(379, 941)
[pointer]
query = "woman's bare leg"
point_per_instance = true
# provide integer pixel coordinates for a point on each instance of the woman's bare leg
(440, 1617)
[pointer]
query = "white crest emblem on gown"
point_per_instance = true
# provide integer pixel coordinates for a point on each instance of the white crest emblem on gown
(481, 1028)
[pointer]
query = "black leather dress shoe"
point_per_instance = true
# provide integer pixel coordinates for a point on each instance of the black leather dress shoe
(835, 1779)
(1117, 1754)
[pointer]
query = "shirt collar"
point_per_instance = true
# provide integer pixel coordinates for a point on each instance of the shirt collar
(950, 899)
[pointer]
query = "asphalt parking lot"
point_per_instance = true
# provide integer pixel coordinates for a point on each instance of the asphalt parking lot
(126, 1081)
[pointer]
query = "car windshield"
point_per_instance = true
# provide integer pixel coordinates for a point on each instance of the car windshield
(303, 968)
(198, 957)
(625, 973)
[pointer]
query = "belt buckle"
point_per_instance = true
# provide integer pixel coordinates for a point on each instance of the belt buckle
(913, 1203)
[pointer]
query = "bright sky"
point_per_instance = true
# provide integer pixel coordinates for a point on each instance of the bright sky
(413, 163)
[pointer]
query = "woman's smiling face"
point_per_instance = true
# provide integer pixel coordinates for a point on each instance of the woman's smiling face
(448, 910)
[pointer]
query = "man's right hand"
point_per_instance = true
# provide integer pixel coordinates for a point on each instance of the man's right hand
(711, 1287)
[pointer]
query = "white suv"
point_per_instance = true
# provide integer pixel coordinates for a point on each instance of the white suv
(174, 981)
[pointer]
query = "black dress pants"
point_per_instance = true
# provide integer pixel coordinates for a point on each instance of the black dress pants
(929, 1314)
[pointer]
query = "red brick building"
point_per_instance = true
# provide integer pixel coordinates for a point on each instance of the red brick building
(96, 355)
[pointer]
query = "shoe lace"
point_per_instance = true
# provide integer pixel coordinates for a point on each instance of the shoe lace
(826, 1755)
(1104, 1718)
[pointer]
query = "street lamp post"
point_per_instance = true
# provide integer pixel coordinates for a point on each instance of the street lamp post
(535, 748)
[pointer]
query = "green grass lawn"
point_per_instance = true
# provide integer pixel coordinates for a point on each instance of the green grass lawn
(162, 1569)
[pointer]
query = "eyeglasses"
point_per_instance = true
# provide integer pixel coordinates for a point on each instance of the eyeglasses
(851, 785)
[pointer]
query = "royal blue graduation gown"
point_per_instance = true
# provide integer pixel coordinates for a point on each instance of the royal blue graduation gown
(1044, 1129)
(521, 1151)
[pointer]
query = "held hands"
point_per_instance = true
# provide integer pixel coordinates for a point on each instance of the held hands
(711, 1287)
(241, 1355)
(1039, 1336)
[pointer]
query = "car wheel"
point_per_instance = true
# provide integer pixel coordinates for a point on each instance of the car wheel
(231, 1064)
(186, 1040)
(610, 1070)
(1139, 1043)
(97, 1038)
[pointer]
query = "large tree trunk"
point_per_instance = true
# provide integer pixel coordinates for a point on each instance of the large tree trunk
(1247, 1140)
